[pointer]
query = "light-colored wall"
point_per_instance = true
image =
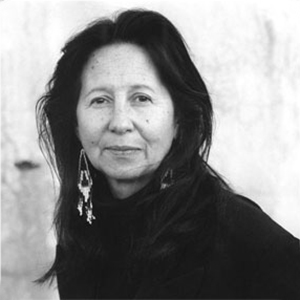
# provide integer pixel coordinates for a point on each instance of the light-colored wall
(248, 54)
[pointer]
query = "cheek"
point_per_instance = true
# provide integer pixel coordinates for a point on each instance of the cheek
(160, 129)
(88, 130)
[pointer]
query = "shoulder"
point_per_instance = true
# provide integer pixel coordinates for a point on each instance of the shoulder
(251, 255)
(241, 222)
(244, 219)
(256, 248)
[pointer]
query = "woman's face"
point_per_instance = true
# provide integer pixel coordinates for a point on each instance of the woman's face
(125, 114)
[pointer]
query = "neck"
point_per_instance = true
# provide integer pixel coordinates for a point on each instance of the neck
(122, 189)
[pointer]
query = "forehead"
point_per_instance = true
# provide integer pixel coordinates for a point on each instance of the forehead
(123, 62)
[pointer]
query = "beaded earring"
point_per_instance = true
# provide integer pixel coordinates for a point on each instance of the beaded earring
(167, 180)
(85, 183)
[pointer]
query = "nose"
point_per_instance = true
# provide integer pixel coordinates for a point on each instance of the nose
(121, 121)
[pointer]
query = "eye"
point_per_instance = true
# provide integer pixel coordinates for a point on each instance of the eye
(142, 99)
(98, 101)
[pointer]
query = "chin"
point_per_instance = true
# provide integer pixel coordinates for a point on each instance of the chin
(126, 174)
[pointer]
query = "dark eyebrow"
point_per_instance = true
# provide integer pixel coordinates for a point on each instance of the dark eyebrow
(109, 89)
(98, 89)
(141, 86)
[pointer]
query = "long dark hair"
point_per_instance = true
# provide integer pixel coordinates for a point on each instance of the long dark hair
(56, 118)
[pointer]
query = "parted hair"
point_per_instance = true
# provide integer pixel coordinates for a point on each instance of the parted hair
(56, 120)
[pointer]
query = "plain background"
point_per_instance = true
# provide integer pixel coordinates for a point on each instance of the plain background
(248, 53)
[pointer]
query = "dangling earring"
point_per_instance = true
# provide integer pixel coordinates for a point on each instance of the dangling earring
(167, 180)
(85, 184)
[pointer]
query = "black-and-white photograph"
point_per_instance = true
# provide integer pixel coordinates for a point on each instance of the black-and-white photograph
(150, 149)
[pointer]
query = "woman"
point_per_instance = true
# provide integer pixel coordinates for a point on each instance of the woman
(127, 120)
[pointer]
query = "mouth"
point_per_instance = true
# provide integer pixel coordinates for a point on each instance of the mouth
(122, 150)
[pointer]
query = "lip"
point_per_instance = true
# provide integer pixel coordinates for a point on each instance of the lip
(123, 151)
(122, 148)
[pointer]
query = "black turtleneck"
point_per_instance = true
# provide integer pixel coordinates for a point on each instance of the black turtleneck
(120, 222)
(106, 264)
